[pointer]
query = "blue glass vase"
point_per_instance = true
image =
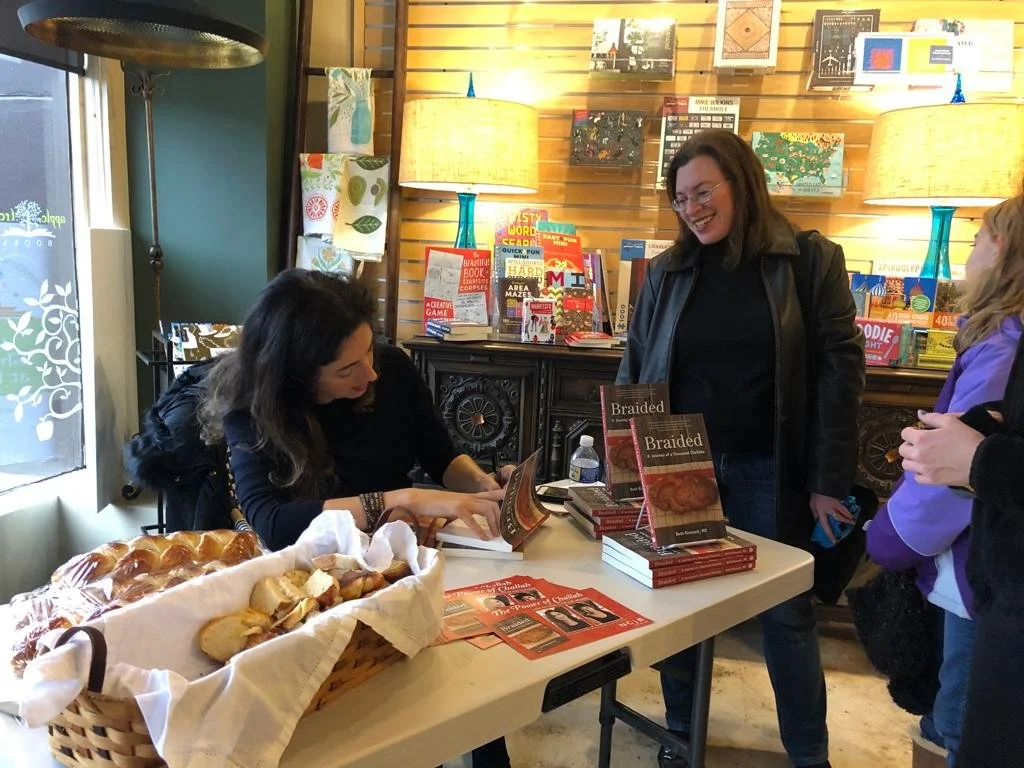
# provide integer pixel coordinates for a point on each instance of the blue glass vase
(936, 263)
(466, 235)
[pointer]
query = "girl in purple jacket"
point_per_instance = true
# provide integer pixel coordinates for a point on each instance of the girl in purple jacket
(927, 527)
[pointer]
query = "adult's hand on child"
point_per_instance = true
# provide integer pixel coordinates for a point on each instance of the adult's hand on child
(941, 455)
(452, 505)
(823, 507)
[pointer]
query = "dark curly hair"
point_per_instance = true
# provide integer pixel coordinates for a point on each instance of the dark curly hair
(297, 325)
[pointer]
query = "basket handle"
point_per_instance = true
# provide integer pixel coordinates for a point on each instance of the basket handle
(98, 664)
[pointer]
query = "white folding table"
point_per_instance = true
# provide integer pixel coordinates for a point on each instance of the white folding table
(450, 699)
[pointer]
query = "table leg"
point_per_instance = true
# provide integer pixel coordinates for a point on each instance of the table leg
(701, 703)
(612, 710)
(607, 719)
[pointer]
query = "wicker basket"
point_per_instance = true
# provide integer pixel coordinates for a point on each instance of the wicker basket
(100, 731)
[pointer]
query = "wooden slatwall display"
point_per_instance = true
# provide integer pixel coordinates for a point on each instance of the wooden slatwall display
(538, 52)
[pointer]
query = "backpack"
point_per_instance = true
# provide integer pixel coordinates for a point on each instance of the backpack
(169, 456)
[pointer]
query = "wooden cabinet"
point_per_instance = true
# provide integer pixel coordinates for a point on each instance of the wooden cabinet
(514, 398)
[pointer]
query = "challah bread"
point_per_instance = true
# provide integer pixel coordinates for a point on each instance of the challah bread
(119, 573)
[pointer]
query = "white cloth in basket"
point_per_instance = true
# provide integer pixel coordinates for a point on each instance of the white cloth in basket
(242, 714)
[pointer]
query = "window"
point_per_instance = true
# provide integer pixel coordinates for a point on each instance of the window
(41, 405)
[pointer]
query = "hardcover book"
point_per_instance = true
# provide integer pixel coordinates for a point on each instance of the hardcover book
(619, 403)
(633, 258)
(801, 164)
(521, 514)
(666, 577)
(834, 38)
(678, 476)
(638, 549)
(683, 116)
(634, 47)
(607, 138)
(503, 253)
(457, 285)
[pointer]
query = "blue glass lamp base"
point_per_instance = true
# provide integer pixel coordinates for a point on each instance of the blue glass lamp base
(936, 263)
(465, 237)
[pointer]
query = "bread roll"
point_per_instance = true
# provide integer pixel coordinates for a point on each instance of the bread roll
(275, 596)
(398, 569)
(336, 562)
(323, 587)
(295, 616)
(297, 577)
(223, 637)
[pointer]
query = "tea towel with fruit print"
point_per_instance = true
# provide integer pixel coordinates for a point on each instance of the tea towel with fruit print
(362, 221)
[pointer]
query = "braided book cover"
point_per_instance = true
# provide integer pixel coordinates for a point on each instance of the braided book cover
(673, 455)
(619, 403)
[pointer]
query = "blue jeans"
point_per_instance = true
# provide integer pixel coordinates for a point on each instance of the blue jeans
(747, 487)
(946, 722)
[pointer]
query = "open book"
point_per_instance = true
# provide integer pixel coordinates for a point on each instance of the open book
(521, 514)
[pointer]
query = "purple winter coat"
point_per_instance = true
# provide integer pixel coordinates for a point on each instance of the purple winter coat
(920, 522)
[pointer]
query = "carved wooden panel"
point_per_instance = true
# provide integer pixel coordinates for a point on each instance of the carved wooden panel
(578, 387)
(879, 465)
(486, 408)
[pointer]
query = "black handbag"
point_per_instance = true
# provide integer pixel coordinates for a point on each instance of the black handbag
(834, 566)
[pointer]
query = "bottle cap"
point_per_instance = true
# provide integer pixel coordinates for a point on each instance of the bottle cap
(587, 441)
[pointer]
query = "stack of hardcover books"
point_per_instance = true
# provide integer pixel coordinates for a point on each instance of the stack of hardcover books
(458, 330)
(635, 554)
(594, 510)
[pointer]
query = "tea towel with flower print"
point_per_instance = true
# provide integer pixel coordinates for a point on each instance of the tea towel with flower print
(349, 111)
(320, 176)
(362, 222)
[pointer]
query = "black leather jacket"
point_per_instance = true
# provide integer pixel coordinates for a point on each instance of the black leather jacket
(818, 381)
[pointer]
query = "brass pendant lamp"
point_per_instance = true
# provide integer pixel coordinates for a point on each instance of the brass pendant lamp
(155, 34)
(179, 34)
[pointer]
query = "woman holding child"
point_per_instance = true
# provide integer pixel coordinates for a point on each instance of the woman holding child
(751, 323)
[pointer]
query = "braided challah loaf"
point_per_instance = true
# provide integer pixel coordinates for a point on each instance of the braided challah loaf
(116, 574)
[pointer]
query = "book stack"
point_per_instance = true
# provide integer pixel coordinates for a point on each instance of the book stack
(590, 340)
(635, 554)
(458, 330)
(594, 510)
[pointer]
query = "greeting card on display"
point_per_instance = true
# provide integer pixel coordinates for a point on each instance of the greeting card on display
(633, 47)
(683, 116)
(834, 46)
(457, 284)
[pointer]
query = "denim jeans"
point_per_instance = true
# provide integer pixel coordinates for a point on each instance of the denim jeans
(947, 718)
(791, 653)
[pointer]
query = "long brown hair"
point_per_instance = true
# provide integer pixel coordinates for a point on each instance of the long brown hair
(297, 325)
(754, 215)
(998, 292)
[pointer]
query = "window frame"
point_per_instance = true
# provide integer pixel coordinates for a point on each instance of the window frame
(99, 173)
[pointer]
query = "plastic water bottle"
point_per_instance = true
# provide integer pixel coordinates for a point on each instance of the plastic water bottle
(584, 464)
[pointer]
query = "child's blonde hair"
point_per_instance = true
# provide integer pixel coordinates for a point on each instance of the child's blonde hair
(998, 293)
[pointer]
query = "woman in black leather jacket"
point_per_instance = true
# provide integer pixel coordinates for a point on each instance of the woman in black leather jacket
(751, 323)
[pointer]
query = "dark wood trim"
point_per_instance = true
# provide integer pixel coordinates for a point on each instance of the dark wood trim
(291, 224)
(382, 74)
(394, 236)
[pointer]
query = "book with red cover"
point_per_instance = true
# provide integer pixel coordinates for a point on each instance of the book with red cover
(457, 284)
(666, 577)
(619, 403)
(598, 500)
(680, 488)
(638, 549)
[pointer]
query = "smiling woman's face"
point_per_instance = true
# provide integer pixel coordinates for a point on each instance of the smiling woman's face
(710, 221)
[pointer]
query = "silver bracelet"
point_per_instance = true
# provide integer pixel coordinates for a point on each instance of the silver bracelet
(373, 508)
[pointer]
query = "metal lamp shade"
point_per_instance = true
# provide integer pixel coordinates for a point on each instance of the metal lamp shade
(162, 33)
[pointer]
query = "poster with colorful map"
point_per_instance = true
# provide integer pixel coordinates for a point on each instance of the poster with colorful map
(801, 164)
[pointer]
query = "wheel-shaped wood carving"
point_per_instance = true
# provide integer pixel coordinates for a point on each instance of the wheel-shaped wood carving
(879, 465)
(481, 413)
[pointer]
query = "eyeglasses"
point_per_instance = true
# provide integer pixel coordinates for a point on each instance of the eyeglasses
(703, 198)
